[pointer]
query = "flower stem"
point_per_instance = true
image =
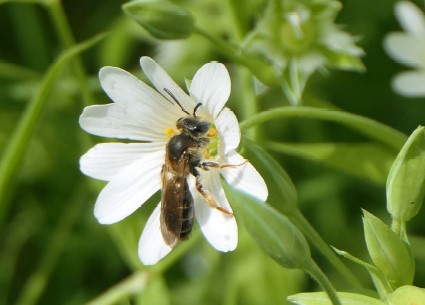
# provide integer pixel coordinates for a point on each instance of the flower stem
(373, 129)
(133, 284)
(302, 223)
(63, 29)
(317, 274)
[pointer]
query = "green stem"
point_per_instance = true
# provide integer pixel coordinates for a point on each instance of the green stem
(366, 126)
(63, 29)
(316, 273)
(234, 13)
(247, 99)
(398, 226)
(16, 148)
(302, 223)
(132, 285)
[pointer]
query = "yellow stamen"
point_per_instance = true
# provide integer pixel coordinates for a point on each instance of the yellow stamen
(169, 132)
(212, 132)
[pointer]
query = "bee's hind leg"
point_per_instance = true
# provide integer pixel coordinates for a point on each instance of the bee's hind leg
(207, 195)
(208, 165)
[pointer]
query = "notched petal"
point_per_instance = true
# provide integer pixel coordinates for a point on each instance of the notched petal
(211, 86)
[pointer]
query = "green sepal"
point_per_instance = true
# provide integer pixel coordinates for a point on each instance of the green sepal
(388, 252)
(406, 180)
(162, 19)
(321, 298)
(272, 231)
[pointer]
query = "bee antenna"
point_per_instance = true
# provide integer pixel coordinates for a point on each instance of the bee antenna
(175, 99)
(196, 108)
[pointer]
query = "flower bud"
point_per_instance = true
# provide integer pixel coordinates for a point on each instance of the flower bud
(406, 180)
(388, 252)
(272, 231)
(162, 19)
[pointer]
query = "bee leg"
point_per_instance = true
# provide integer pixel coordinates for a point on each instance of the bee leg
(208, 165)
(207, 195)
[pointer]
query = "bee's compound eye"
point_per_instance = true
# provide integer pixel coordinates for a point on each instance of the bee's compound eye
(202, 127)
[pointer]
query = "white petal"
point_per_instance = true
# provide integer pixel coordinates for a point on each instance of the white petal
(129, 189)
(410, 84)
(219, 229)
(228, 129)
(411, 18)
(407, 49)
(245, 177)
(141, 102)
(105, 160)
(161, 80)
(112, 121)
(211, 87)
(152, 246)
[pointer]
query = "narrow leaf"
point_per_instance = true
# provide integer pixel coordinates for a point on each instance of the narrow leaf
(381, 283)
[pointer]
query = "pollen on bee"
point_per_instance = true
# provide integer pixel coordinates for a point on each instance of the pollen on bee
(169, 132)
(212, 132)
(206, 154)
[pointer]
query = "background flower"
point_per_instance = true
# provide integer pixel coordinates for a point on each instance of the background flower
(408, 48)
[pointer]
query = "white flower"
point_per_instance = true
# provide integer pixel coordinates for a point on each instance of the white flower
(408, 48)
(145, 116)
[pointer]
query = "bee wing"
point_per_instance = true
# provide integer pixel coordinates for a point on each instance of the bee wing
(173, 192)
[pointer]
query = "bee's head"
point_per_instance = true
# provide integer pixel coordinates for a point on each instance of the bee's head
(195, 126)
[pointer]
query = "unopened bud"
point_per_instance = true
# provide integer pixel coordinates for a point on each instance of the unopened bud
(162, 19)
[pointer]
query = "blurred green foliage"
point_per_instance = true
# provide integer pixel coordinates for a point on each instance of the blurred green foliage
(52, 250)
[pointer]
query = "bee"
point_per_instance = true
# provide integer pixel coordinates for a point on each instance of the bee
(183, 157)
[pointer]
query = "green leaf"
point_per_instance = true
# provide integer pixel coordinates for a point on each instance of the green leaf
(388, 252)
(364, 160)
(407, 295)
(406, 180)
(162, 19)
(273, 232)
(284, 195)
(320, 298)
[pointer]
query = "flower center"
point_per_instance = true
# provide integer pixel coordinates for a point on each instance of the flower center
(209, 152)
